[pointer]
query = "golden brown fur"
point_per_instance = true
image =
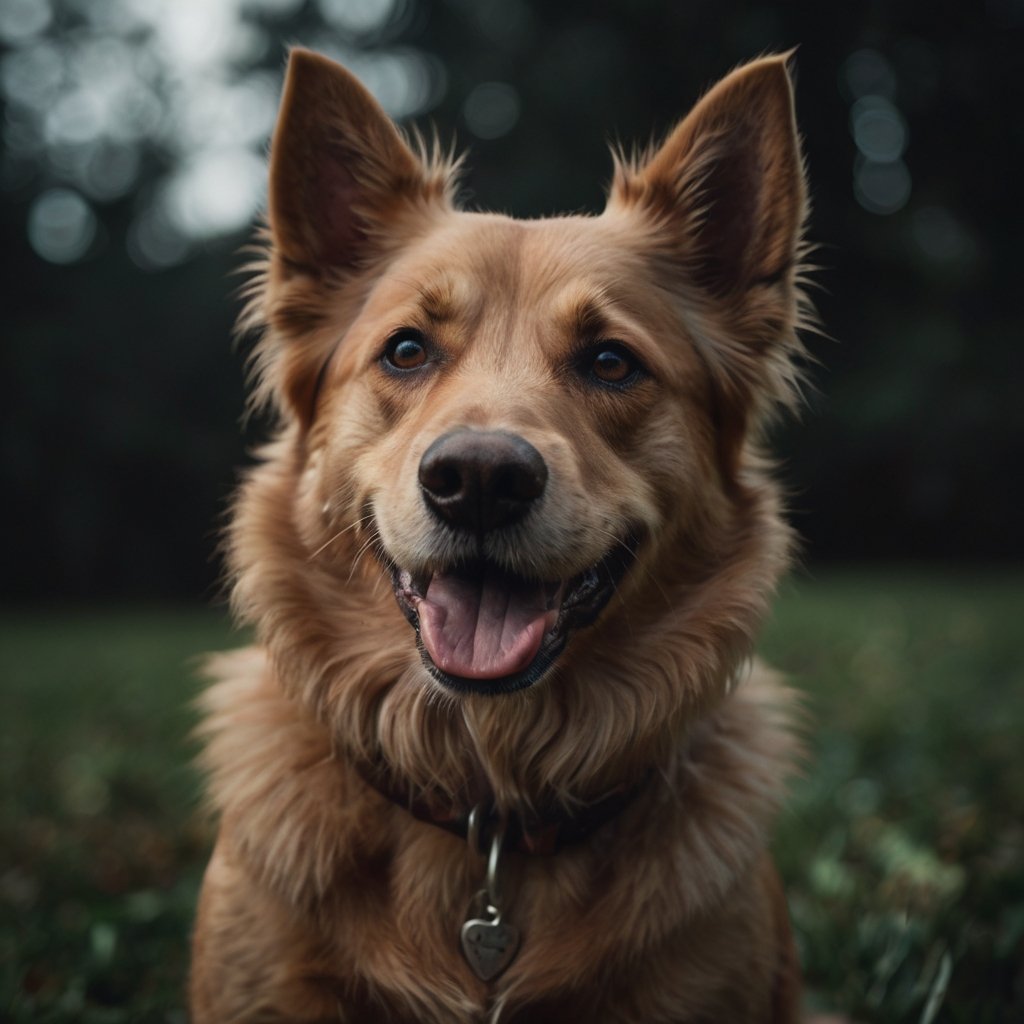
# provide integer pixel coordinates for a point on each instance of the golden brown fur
(325, 900)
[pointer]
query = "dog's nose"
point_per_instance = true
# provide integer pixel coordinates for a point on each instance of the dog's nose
(480, 480)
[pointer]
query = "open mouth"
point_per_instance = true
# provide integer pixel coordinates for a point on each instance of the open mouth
(483, 629)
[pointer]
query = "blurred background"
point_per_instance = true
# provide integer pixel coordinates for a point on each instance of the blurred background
(133, 136)
(133, 143)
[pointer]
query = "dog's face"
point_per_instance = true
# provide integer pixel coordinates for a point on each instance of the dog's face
(512, 415)
(528, 428)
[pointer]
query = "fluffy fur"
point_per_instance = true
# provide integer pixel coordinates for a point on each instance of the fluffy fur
(324, 900)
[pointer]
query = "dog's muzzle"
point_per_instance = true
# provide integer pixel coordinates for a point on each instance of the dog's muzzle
(482, 627)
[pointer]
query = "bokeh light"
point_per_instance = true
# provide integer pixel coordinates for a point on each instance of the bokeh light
(357, 17)
(881, 180)
(22, 19)
(122, 85)
(215, 193)
(878, 129)
(153, 242)
(31, 77)
(61, 226)
(110, 170)
(882, 188)
(866, 72)
(491, 110)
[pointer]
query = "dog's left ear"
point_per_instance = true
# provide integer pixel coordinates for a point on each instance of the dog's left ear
(727, 185)
(722, 203)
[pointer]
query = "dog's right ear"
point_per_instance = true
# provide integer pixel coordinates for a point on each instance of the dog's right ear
(728, 183)
(342, 179)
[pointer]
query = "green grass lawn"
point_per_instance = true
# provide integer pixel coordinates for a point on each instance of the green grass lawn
(902, 848)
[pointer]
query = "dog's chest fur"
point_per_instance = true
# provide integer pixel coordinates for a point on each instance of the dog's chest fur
(632, 918)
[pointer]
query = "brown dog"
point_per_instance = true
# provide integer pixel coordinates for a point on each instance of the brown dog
(536, 786)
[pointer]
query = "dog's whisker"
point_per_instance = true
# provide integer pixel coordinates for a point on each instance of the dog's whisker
(327, 543)
(341, 533)
(373, 539)
(358, 557)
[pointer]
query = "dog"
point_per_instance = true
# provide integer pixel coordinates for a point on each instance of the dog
(501, 751)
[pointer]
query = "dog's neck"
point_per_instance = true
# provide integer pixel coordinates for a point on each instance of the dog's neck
(536, 829)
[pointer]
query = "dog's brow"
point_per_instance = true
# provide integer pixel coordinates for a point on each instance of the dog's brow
(584, 316)
(438, 303)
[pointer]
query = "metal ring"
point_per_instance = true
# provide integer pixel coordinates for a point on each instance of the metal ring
(494, 862)
(473, 828)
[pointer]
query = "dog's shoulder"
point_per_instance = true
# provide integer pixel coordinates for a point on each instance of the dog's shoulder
(292, 810)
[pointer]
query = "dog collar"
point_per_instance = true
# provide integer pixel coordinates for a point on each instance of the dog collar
(541, 831)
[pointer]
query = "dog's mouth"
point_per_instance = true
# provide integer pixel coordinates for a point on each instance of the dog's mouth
(483, 629)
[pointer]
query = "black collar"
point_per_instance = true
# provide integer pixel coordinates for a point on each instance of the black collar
(544, 830)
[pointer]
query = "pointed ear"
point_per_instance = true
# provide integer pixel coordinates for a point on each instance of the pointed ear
(728, 182)
(340, 172)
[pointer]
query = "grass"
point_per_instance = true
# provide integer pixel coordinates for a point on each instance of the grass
(102, 849)
(902, 847)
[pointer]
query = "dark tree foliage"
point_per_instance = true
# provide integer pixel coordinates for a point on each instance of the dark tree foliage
(120, 429)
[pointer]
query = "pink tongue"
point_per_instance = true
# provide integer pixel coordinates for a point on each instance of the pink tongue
(483, 627)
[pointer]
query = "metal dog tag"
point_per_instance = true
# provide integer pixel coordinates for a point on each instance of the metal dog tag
(489, 945)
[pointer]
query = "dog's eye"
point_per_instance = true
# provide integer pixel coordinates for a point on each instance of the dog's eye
(406, 351)
(612, 363)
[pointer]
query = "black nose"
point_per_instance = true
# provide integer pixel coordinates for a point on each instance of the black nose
(480, 480)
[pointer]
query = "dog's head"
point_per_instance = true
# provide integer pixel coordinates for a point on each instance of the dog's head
(538, 436)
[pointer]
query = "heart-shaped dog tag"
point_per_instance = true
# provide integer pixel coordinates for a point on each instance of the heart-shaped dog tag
(489, 946)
